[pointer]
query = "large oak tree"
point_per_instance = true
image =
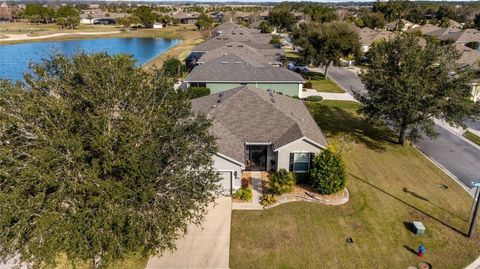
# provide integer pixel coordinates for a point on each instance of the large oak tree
(326, 43)
(99, 160)
(409, 85)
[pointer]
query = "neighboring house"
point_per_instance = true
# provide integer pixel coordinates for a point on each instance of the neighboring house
(455, 24)
(158, 25)
(465, 36)
(228, 33)
(100, 17)
(231, 71)
(273, 57)
(427, 28)
(401, 25)
(439, 32)
(369, 36)
(187, 18)
(5, 12)
(469, 57)
(259, 130)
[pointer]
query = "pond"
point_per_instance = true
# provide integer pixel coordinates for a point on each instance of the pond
(15, 58)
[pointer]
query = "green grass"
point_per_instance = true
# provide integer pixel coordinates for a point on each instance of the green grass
(321, 84)
(291, 55)
(389, 186)
(472, 137)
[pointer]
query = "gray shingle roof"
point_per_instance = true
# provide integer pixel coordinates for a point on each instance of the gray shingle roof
(232, 68)
(248, 115)
(245, 52)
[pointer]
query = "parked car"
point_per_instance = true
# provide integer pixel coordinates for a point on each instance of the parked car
(298, 68)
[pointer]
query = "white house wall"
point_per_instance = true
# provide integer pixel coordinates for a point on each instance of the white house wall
(297, 146)
(222, 164)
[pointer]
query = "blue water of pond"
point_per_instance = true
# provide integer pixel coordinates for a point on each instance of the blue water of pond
(15, 58)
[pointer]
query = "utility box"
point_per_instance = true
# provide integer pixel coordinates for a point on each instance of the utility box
(418, 227)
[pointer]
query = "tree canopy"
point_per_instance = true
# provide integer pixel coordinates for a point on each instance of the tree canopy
(327, 43)
(408, 86)
(146, 15)
(204, 22)
(281, 18)
(99, 160)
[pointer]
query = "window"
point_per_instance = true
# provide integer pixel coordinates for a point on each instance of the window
(301, 162)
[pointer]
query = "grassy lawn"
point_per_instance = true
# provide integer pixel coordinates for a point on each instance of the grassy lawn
(389, 186)
(472, 137)
(321, 84)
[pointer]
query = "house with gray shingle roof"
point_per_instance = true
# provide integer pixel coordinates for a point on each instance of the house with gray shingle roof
(231, 71)
(259, 130)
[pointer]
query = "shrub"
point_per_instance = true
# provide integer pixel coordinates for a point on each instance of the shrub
(268, 199)
(275, 40)
(308, 85)
(282, 182)
(245, 182)
(265, 27)
(172, 67)
(195, 92)
(244, 193)
(328, 174)
(314, 98)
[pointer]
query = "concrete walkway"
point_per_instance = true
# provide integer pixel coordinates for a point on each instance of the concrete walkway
(256, 181)
(207, 246)
(328, 95)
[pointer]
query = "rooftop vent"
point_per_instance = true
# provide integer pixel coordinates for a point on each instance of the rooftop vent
(229, 46)
(238, 62)
(270, 93)
(224, 62)
(220, 99)
(272, 99)
(240, 46)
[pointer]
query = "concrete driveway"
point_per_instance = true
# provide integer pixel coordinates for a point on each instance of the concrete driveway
(207, 246)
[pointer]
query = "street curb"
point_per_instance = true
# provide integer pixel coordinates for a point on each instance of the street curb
(446, 171)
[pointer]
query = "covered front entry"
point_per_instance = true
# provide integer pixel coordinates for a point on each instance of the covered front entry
(256, 157)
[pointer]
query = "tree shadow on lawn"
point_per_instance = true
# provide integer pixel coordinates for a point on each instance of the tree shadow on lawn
(412, 206)
(335, 120)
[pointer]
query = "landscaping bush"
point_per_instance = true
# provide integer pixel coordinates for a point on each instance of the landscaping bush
(328, 173)
(244, 193)
(275, 40)
(268, 199)
(282, 182)
(314, 98)
(172, 67)
(195, 92)
(308, 85)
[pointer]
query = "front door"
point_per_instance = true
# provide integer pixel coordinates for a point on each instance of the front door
(256, 158)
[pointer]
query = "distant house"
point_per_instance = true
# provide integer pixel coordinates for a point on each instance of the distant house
(158, 25)
(369, 36)
(259, 130)
(469, 57)
(5, 12)
(231, 71)
(187, 18)
(465, 36)
(476, 91)
(401, 25)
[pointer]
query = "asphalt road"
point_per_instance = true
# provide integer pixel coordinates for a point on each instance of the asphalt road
(452, 152)
(347, 79)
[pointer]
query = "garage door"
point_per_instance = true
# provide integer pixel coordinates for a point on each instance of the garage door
(226, 182)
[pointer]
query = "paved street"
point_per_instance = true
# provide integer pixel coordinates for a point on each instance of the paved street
(450, 151)
(345, 78)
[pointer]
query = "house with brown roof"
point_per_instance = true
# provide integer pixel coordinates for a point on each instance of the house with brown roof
(369, 36)
(259, 130)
